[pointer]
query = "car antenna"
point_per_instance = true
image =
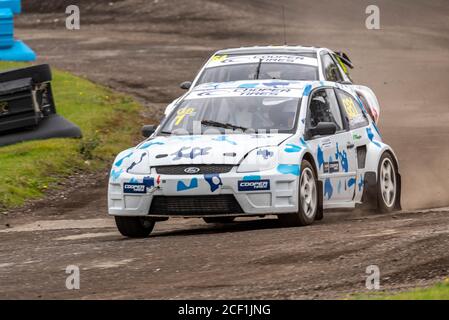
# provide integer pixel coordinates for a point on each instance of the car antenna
(283, 24)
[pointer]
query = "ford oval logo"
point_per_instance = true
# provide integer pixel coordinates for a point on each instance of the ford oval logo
(191, 170)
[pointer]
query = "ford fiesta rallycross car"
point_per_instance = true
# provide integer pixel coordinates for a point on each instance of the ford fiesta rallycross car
(254, 148)
(293, 63)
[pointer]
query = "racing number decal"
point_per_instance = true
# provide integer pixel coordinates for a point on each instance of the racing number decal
(350, 108)
(182, 113)
(219, 58)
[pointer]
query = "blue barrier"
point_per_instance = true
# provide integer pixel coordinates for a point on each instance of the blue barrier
(11, 49)
(6, 28)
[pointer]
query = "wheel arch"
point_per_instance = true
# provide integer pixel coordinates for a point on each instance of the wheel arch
(308, 156)
(374, 153)
(369, 196)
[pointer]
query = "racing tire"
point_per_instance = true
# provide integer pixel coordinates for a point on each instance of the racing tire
(134, 227)
(219, 219)
(387, 184)
(308, 201)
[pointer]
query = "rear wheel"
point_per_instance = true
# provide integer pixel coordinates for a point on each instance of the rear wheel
(308, 198)
(219, 219)
(387, 185)
(134, 227)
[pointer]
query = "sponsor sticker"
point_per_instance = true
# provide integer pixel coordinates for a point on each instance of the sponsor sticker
(331, 167)
(253, 185)
(138, 188)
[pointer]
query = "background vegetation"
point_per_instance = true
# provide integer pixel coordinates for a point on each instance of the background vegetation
(108, 121)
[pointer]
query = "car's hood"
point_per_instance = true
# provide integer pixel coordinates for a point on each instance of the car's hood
(203, 149)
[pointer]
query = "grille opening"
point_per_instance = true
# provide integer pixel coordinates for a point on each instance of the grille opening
(203, 169)
(197, 205)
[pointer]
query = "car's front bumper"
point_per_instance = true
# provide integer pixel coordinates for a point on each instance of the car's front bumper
(203, 190)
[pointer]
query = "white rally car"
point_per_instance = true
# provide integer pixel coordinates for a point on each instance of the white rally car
(254, 148)
(281, 63)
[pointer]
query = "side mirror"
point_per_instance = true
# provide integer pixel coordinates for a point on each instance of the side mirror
(185, 85)
(323, 129)
(148, 130)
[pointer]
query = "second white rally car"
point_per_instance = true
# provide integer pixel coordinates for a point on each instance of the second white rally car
(293, 63)
(254, 148)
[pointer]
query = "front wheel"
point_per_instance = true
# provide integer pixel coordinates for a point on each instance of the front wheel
(387, 186)
(134, 227)
(308, 198)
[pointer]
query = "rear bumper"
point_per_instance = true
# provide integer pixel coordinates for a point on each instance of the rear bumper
(228, 194)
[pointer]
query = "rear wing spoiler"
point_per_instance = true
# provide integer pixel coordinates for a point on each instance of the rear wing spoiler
(344, 59)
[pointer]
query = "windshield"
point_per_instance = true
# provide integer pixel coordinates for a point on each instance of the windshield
(255, 114)
(248, 71)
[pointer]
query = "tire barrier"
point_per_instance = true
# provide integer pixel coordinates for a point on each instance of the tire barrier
(27, 107)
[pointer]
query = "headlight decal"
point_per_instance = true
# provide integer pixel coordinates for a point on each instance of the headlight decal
(265, 153)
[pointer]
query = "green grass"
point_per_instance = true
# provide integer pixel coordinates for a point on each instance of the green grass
(439, 291)
(108, 120)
